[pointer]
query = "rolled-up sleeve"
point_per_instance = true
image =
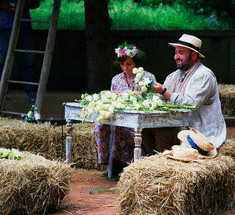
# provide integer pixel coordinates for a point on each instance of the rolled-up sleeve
(198, 90)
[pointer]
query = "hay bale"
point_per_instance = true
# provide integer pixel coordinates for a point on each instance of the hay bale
(157, 185)
(228, 148)
(37, 138)
(227, 98)
(84, 147)
(49, 141)
(33, 184)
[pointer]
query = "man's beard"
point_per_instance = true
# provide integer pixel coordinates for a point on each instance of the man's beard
(186, 65)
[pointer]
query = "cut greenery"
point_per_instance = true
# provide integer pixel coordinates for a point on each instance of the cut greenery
(11, 154)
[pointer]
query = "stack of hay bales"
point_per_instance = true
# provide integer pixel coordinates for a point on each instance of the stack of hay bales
(158, 185)
(33, 184)
(227, 98)
(49, 141)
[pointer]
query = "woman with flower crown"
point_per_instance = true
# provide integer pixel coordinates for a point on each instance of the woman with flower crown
(128, 58)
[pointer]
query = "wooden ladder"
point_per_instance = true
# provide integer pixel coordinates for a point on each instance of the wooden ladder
(47, 58)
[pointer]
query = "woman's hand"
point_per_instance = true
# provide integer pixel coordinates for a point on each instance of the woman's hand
(137, 87)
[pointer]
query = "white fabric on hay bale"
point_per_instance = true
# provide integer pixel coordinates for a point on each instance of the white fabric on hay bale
(33, 184)
(157, 185)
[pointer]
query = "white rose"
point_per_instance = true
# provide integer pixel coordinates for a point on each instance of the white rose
(141, 83)
(95, 97)
(137, 106)
(156, 99)
(125, 96)
(89, 98)
(128, 108)
(146, 103)
(147, 80)
(133, 98)
(128, 52)
(135, 70)
(119, 105)
(138, 77)
(144, 89)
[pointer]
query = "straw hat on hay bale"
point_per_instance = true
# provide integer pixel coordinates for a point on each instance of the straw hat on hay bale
(197, 147)
(182, 153)
(32, 184)
(158, 185)
(196, 140)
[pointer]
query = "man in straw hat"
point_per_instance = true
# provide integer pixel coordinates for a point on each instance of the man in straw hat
(194, 84)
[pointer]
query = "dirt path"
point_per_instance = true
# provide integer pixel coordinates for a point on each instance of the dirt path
(103, 201)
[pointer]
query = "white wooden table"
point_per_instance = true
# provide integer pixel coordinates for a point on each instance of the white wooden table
(131, 119)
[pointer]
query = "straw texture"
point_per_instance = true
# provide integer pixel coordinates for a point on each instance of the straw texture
(32, 185)
(157, 185)
(49, 141)
(227, 98)
(228, 148)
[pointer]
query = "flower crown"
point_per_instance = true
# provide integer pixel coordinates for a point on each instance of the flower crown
(125, 50)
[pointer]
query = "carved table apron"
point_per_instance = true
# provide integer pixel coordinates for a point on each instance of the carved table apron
(131, 119)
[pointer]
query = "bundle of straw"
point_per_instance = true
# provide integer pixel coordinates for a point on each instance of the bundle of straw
(158, 185)
(49, 141)
(227, 98)
(32, 185)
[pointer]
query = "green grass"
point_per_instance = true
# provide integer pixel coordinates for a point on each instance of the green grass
(103, 190)
(127, 15)
(72, 14)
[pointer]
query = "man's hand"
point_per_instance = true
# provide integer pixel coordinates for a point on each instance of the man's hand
(157, 88)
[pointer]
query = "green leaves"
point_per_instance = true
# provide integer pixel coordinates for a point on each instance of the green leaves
(12, 154)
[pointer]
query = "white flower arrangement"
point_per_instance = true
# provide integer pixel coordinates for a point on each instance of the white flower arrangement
(109, 102)
(106, 103)
(146, 84)
(11, 154)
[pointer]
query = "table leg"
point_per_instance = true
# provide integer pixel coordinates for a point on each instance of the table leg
(69, 141)
(137, 141)
(110, 166)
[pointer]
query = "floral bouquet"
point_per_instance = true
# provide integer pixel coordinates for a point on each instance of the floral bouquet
(145, 85)
(105, 103)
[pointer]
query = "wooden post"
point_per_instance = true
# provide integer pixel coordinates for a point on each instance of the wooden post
(110, 166)
(137, 141)
(48, 55)
(69, 140)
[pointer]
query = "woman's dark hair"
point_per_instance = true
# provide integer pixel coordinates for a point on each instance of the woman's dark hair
(137, 58)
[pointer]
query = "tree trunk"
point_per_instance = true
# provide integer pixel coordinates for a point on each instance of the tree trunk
(99, 51)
